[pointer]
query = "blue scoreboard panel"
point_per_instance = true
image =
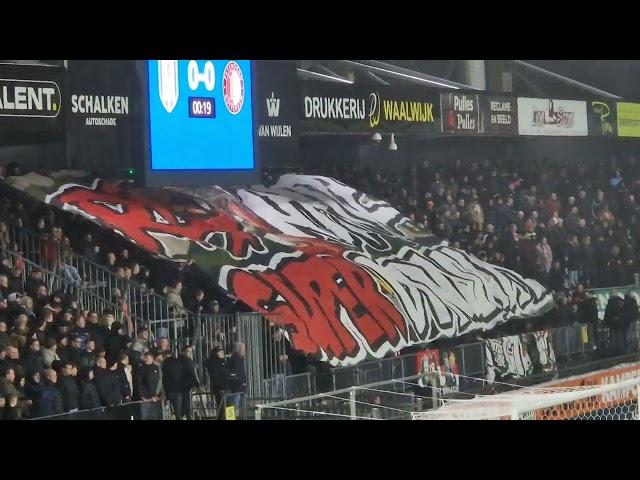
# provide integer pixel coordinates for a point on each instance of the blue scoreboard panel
(200, 123)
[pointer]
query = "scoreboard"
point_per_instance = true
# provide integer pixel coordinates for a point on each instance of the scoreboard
(200, 123)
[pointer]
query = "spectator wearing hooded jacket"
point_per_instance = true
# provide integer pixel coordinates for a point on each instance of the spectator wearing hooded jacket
(69, 389)
(148, 383)
(219, 375)
(32, 359)
(125, 377)
(179, 378)
(116, 343)
(44, 391)
(107, 384)
(89, 398)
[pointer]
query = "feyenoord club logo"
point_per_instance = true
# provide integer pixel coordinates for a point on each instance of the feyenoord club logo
(233, 87)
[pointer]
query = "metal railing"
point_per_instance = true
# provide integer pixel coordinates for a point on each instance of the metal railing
(391, 399)
(135, 306)
(471, 358)
(124, 411)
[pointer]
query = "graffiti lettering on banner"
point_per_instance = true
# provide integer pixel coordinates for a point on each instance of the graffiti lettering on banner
(519, 356)
(331, 264)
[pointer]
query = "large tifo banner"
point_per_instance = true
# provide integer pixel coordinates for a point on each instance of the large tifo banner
(333, 264)
(544, 116)
(518, 356)
(628, 119)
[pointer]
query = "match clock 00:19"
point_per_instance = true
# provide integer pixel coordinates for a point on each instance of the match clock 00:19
(202, 107)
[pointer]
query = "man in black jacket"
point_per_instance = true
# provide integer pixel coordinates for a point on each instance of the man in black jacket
(97, 332)
(32, 359)
(69, 389)
(51, 393)
(237, 370)
(219, 375)
(116, 343)
(613, 320)
(628, 316)
(107, 384)
(179, 378)
(149, 387)
(89, 398)
(125, 378)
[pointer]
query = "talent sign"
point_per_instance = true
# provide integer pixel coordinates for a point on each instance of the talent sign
(550, 117)
(338, 109)
(31, 101)
(460, 113)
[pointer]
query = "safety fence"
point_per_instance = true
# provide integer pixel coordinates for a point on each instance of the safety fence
(266, 363)
(136, 306)
(392, 399)
(572, 345)
(138, 410)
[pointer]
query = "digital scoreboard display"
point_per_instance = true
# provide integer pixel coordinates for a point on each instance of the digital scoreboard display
(200, 117)
(202, 107)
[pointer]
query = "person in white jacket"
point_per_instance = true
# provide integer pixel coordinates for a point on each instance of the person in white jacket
(544, 257)
(49, 354)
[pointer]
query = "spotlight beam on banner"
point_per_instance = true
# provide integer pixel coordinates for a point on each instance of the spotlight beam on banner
(530, 84)
(567, 80)
(378, 79)
(407, 74)
(330, 72)
(309, 73)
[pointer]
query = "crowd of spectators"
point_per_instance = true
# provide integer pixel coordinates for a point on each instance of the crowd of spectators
(569, 225)
(563, 223)
(56, 357)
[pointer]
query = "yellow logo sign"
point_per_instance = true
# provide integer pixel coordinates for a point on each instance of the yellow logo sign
(603, 110)
(628, 119)
(374, 109)
(230, 413)
(403, 111)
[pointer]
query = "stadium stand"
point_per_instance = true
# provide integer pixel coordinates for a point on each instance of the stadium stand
(573, 227)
